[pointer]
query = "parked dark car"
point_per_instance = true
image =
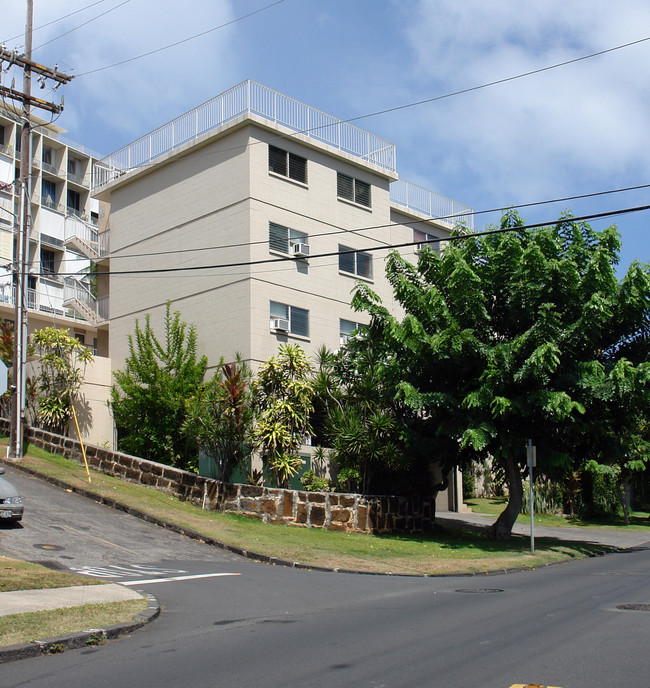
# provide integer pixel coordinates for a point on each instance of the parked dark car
(11, 503)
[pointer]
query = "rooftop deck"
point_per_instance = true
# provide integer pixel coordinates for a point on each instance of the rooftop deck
(248, 97)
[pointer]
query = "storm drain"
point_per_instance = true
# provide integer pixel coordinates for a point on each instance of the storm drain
(479, 590)
(641, 607)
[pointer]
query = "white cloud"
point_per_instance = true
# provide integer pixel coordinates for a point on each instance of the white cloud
(537, 134)
(109, 107)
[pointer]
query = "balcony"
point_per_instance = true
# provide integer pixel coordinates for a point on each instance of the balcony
(84, 238)
(247, 98)
(77, 296)
(79, 179)
(433, 205)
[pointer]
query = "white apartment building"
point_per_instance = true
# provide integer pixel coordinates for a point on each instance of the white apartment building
(63, 243)
(256, 215)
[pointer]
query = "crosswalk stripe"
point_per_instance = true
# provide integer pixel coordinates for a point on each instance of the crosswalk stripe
(140, 581)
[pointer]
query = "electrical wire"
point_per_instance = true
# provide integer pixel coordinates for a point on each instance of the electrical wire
(371, 249)
(341, 230)
(184, 40)
(54, 21)
(103, 14)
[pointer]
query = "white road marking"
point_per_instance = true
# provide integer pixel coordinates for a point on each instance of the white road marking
(114, 571)
(177, 578)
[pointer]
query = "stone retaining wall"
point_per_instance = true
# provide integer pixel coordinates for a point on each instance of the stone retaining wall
(333, 511)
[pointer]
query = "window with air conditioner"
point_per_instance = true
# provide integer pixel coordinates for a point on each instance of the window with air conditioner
(287, 164)
(347, 328)
(285, 318)
(287, 240)
(354, 190)
(355, 262)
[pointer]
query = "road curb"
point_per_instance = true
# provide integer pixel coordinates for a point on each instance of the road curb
(265, 558)
(90, 638)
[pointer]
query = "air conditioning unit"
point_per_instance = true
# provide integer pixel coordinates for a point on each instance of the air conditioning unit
(300, 250)
(280, 324)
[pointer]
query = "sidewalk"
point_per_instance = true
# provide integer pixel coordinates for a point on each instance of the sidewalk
(22, 601)
(601, 536)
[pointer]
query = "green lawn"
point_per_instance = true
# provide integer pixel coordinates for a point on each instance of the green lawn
(639, 520)
(448, 550)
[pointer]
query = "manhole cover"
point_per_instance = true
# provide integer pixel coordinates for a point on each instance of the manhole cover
(480, 590)
(49, 548)
(635, 607)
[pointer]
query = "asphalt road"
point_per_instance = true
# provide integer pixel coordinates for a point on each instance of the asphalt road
(273, 626)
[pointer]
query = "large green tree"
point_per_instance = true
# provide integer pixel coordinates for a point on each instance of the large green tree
(149, 396)
(501, 338)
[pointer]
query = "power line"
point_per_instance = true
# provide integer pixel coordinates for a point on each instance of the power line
(462, 237)
(54, 21)
(184, 40)
(56, 38)
(500, 81)
(341, 230)
(400, 107)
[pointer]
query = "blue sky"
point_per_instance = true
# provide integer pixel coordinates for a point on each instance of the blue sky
(574, 130)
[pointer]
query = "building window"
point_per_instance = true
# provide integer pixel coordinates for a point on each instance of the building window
(49, 157)
(355, 262)
(74, 202)
(283, 238)
(298, 318)
(352, 189)
(347, 328)
(422, 237)
(48, 193)
(47, 262)
(287, 164)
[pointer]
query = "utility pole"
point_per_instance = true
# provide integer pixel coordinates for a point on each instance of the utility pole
(24, 224)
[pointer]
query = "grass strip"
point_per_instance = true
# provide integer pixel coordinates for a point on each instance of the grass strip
(25, 575)
(446, 551)
(23, 628)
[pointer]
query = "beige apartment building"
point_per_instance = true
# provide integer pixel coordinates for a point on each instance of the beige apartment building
(254, 214)
(63, 244)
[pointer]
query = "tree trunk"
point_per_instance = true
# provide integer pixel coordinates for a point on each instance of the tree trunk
(502, 528)
(620, 483)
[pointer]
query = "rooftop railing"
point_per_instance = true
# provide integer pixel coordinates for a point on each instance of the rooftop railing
(249, 97)
(431, 204)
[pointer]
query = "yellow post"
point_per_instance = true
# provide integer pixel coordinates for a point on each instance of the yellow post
(81, 442)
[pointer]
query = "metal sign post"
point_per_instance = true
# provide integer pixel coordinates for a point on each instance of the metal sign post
(532, 462)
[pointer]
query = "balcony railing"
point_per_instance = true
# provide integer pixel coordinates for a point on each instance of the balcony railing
(431, 204)
(248, 97)
(93, 308)
(87, 235)
(76, 178)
